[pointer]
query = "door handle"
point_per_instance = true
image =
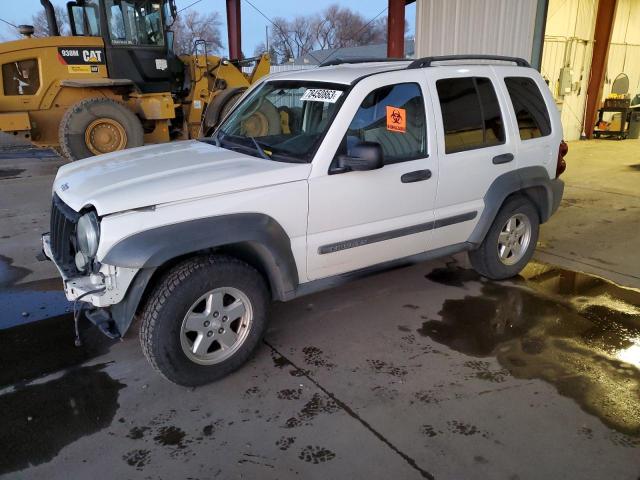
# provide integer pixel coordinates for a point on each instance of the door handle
(504, 158)
(417, 176)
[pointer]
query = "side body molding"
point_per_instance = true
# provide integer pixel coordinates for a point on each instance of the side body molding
(534, 182)
(254, 234)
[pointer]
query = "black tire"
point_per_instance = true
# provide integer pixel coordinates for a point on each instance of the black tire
(78, 118)
(171, 299)
(486, 259)
(218, 109)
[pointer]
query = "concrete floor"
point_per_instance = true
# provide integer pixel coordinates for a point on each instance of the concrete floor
(423, 372)
(597, 228)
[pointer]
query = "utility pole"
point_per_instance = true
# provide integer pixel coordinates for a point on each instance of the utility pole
(266, 36)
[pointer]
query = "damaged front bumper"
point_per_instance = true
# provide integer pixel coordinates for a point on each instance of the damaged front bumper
(104, 294)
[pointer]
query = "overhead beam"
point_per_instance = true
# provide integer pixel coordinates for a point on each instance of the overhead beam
(395, 29)
(601, 40)
(234, 29)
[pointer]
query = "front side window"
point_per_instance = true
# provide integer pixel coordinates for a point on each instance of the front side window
(394, 117)
(282, 121)
(134, 22)
(529, 107)
(471, 114)
(21, 77)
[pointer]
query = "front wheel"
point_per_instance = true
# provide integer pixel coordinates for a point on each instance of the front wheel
(204, 319)
(510, 242)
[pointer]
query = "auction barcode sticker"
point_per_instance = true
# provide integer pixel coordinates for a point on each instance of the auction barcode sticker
(321, 95)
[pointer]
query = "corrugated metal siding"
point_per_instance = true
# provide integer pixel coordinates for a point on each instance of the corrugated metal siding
(502, 27)
(624, 51)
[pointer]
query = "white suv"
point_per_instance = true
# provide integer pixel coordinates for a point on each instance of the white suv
(314, 178)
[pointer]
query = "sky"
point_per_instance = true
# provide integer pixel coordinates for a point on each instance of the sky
(253, 24)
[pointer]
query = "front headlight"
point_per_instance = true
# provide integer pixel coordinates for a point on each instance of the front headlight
(88, 234)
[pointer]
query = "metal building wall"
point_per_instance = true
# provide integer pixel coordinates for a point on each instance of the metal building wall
(568, 42)
(503, 27)
(624, 50)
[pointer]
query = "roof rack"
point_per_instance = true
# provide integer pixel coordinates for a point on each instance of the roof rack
(340, 61)
(427, 61)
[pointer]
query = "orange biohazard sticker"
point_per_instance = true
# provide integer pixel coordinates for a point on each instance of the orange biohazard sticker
(396, 119)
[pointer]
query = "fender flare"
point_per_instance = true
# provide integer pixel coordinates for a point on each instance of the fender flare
(261, 233)
(254, 237)
(533, 182)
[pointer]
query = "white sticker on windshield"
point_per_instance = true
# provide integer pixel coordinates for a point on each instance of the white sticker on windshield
(321, 95)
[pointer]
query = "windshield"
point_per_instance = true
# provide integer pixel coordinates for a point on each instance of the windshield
(282, 120)
(134, 22)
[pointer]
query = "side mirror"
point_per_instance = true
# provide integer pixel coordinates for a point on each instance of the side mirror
(363, 156)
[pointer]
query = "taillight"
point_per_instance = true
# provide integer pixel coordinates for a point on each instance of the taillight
(562, 164)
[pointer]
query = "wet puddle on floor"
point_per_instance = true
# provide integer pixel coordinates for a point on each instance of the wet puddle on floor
(577, 332)
(36, 328)
(41, 418)
(28, 302)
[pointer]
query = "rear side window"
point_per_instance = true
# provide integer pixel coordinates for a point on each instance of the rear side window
(394, 117)
(531, 111)
(470, 113)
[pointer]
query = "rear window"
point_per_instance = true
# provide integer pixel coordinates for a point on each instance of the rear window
(528, 104)
(470, 114)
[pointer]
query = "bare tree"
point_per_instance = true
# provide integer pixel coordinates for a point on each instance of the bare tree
(280, 39)
(334, 27)
(41, 26)
(338, 27)
(261, 48)
(195, 26)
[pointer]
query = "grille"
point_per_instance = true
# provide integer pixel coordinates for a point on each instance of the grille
(63, 227)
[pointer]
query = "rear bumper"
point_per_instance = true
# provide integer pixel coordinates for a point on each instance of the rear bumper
(557, 190)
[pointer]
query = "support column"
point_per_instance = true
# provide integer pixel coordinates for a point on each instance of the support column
(233, 29)
(538, 33)
(601, 40)
(395, 29)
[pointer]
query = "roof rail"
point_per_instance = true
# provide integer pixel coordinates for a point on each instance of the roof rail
(427, 61)
(340, 61)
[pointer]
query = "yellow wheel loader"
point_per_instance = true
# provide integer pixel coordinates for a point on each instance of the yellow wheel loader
(115, 83)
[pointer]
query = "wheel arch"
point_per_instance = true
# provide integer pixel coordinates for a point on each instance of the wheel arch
(254, 238)
(531, 182)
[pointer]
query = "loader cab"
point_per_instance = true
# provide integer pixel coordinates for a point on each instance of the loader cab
(135, 39)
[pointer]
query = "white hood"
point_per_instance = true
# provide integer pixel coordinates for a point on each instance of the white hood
(157, 174)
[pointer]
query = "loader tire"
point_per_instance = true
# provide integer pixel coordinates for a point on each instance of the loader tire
(94, 126)
(218, 109)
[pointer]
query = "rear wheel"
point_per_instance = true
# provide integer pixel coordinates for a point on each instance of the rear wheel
(204, 319)
(510, 242)
(95, 126)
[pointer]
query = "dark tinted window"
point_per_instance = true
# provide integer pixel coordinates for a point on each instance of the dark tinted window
(394, 117)
(21, 77)
(470, 114)
(531, 111)
(493, 126)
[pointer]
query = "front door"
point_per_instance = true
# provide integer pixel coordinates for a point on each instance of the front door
(362, 218)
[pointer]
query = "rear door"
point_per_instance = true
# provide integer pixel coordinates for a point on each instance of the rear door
(474, 146)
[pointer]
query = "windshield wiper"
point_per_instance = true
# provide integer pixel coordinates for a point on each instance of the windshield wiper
(260, 149)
